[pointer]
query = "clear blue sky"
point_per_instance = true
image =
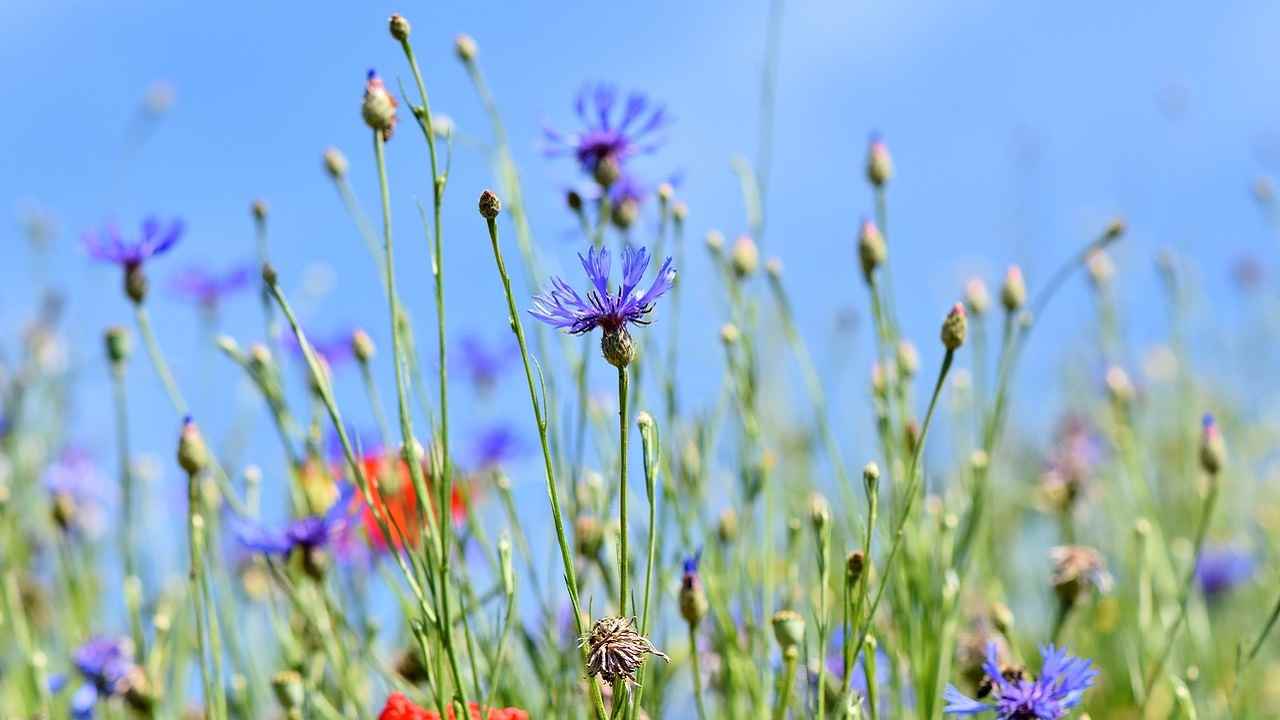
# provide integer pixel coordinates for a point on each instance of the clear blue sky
(1017, 130)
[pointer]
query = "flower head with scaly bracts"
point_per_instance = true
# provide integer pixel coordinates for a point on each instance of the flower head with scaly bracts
(564, 308)
(109, 246)
(1062, 682)
(208, 288)
(612, 131)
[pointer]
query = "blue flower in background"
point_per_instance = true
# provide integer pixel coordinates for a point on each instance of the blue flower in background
(308, 533)
(1062, 682)
(495, 446)
(109, 246)
(484, 364)
(209, 288)
(107, 667)
(334, 349)
(611, 130)
(1222, 569)
(79, 491)
(563, 308)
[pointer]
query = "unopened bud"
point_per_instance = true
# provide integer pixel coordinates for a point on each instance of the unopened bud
(788, 628)
(854, 565)
(773, 266)
(871, 476)
(954, 327)
(819, 512)
(1013, 294)
(335, 163)
(976, 297)
(1115, 230)
(490, 205)
(1118, 385)
(288, 688)
(665, 192)
(727, 526)
(1100, 267)
(745, 257)
(259, 210)
(193, 456)
(589, 536)
(872, 251)
(465, 48)
(399, 27)
(505, 565)
(118, 345)
(908, 359)
(1213, 452)
(362, 346)
(879, 164)
(715, 241)
(379, 107)
(573, 199)
(729, 334)
(679, 211)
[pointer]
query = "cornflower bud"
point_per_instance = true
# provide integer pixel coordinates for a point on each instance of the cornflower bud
(954, 327)
(193, 456)
(1213, 452)
(879, 163)
(399, 27)
(362, 346)
(379, 106)
(727, 526)
(118, 345)
(908, 359)
(1013, 294)
(464, 46)
(715, 241)
(745, 257)
(872, 251)
(788, 628)
(870, 476)
(976, 296)
(490, 205)
(259, 210)
(819, 512)
(693, 598)
(854, 565)
(679, 211)
(335, 163)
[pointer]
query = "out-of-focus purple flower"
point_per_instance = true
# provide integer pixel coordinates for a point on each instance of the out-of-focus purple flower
(308, 533)
(1247, 273)
(108, 245)
(482, 363)
(209, 288)
(1221, 569)
(79, 492)
(858, 678)
(611, 130)
(1069, 463)
(495, 446)
(334, 349)
(1062, 682)
(107, 667)
(563, 308)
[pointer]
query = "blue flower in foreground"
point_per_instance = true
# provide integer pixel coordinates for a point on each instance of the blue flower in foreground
(107, 666)
(612, 131)
(306, 534)
(1221, 569)
(1062, 682)
(562, 307)
(209, 288)
(156, 239)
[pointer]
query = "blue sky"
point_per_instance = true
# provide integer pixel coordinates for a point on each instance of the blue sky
(1017, 130)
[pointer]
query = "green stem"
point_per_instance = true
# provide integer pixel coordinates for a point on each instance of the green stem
(127, 554)
(695, 667)
(786, 679)
(912, 486)
(157, 359)
(622, 491)
(566, 554)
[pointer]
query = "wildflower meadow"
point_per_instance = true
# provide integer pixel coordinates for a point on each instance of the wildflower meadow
(546, 412)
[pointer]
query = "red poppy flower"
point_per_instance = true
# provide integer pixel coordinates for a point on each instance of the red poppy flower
(399, 707)
(397, 502)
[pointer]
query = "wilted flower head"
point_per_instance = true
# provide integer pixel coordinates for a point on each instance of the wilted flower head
(107, 667)
(562, 307)
(208, 288)
(1062, 682)
(615, 650)
(1221, 569)
(1076, 570)
(612, 131)
(1070, 461)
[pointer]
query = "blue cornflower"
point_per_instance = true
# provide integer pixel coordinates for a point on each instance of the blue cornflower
(1062, 682)
(109, 246)
(108, 669)
(208, 288)
(306, 534)
(78, 491)
(495, 446)
(612, 132)
(484, 364)
(562, 307)
(1221, 569)
(334, 349)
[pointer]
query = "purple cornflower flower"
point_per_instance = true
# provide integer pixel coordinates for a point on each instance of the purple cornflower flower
(495, 446)
(609, 137)
(306, 534)
(78, 491)
(208, 288)
(1221, 569)
(334, 349)
(562, 307)
(484, 364)
(109, 246)
(108, 669)
(1062, 682)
